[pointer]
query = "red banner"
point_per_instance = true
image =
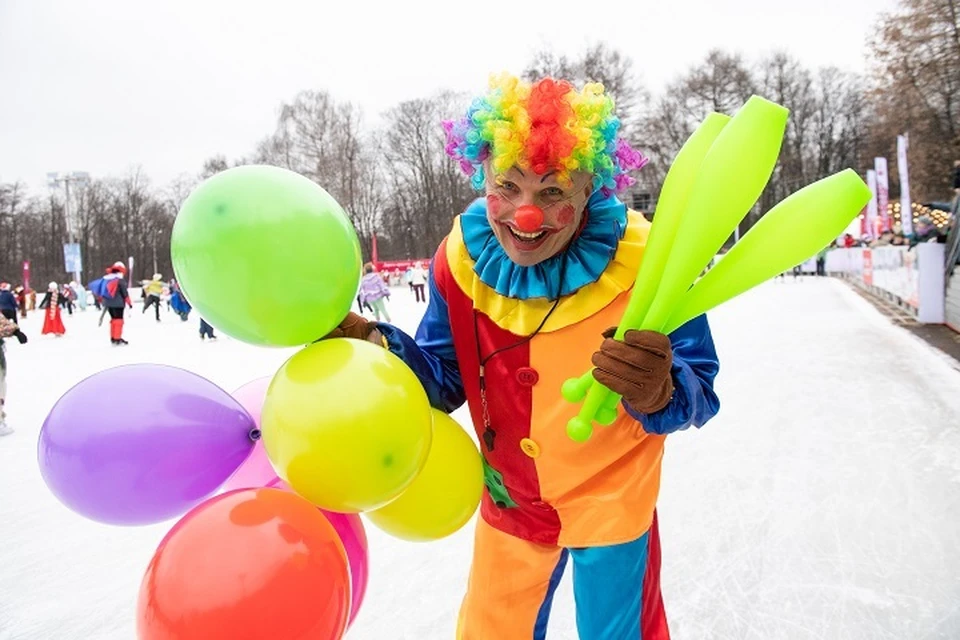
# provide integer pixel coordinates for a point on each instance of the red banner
(401, 265)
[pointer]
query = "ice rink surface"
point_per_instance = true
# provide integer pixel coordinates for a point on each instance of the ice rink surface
(823, 502)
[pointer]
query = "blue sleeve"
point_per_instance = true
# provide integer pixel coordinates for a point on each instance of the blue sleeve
(695, 366)
(431, 354)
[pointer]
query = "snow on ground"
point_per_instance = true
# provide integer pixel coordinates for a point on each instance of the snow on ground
(823, 502)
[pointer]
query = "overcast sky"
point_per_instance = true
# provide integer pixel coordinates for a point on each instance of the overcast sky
(102, 85)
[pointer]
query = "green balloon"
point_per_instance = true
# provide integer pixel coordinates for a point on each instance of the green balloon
(266, 256)
(787, 235)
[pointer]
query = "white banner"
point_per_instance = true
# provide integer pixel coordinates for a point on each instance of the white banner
(71, 258)
(895, 271)
(883, 193)
(906, 207)
(870, 229)
(915, 276)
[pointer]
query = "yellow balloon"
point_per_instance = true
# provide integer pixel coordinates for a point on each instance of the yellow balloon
(445, 495)
(346, 424)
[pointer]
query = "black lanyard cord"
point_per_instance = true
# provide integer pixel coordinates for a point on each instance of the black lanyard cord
(476, 327)
(489, 433)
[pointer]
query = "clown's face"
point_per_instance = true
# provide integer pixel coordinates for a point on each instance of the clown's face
(533, 216)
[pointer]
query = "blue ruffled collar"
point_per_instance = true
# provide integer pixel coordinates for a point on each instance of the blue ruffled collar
(587, 257)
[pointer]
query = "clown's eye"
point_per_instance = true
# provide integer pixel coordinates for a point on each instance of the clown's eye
(506, 185)
(552, 192)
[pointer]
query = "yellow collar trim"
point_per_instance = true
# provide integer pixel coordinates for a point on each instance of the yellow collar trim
(521, 317)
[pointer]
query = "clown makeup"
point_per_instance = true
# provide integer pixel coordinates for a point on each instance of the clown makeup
(534, 216)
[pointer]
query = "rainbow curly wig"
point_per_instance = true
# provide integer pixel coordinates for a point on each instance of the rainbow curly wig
(544, 126)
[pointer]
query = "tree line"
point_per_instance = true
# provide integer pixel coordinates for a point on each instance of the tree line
(395, 181)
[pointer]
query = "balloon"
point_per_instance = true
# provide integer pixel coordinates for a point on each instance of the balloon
(787, 235)
(266, 256)
(346, 424)
(256, 470)
(445, 495)
(252, 394)
(354, 538)
(349, 527)
(140, 444)
(246, 565)
(728, 182)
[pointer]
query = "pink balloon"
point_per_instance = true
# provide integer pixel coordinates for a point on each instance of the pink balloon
(354, 539)
(251, 396)
(256, 471)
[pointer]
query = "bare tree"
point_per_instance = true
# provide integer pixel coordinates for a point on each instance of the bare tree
(548, 64)
(325, 141)
(426, 189)
(720, 83)
(597, 63)
(917, 89)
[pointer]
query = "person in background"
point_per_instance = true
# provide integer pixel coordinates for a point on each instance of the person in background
(21, 294)
(52, 301)
(67, 297)
(361, 304)
(179, 302)
(8, 302)
(80, 294)
(115, 298)
(206, 330)
(8, 329)
(418, 279)
(373, 291)
(925, 231)
(153, 290)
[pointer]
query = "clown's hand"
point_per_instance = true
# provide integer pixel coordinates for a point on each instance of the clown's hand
(356, 327)
(637, 368)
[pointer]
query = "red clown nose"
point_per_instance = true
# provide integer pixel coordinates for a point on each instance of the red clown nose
(529, 218)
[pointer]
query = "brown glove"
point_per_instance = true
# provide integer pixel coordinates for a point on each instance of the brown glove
(637, 368)
(353, 326)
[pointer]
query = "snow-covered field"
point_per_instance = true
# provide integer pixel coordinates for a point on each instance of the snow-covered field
(823, 502)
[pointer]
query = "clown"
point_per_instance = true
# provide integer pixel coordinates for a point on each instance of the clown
(523, 291)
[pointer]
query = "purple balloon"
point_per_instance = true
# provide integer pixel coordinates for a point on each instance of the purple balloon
(142, 443)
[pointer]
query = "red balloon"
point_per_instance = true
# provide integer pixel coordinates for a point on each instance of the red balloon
(528, 218)
(247, 565)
